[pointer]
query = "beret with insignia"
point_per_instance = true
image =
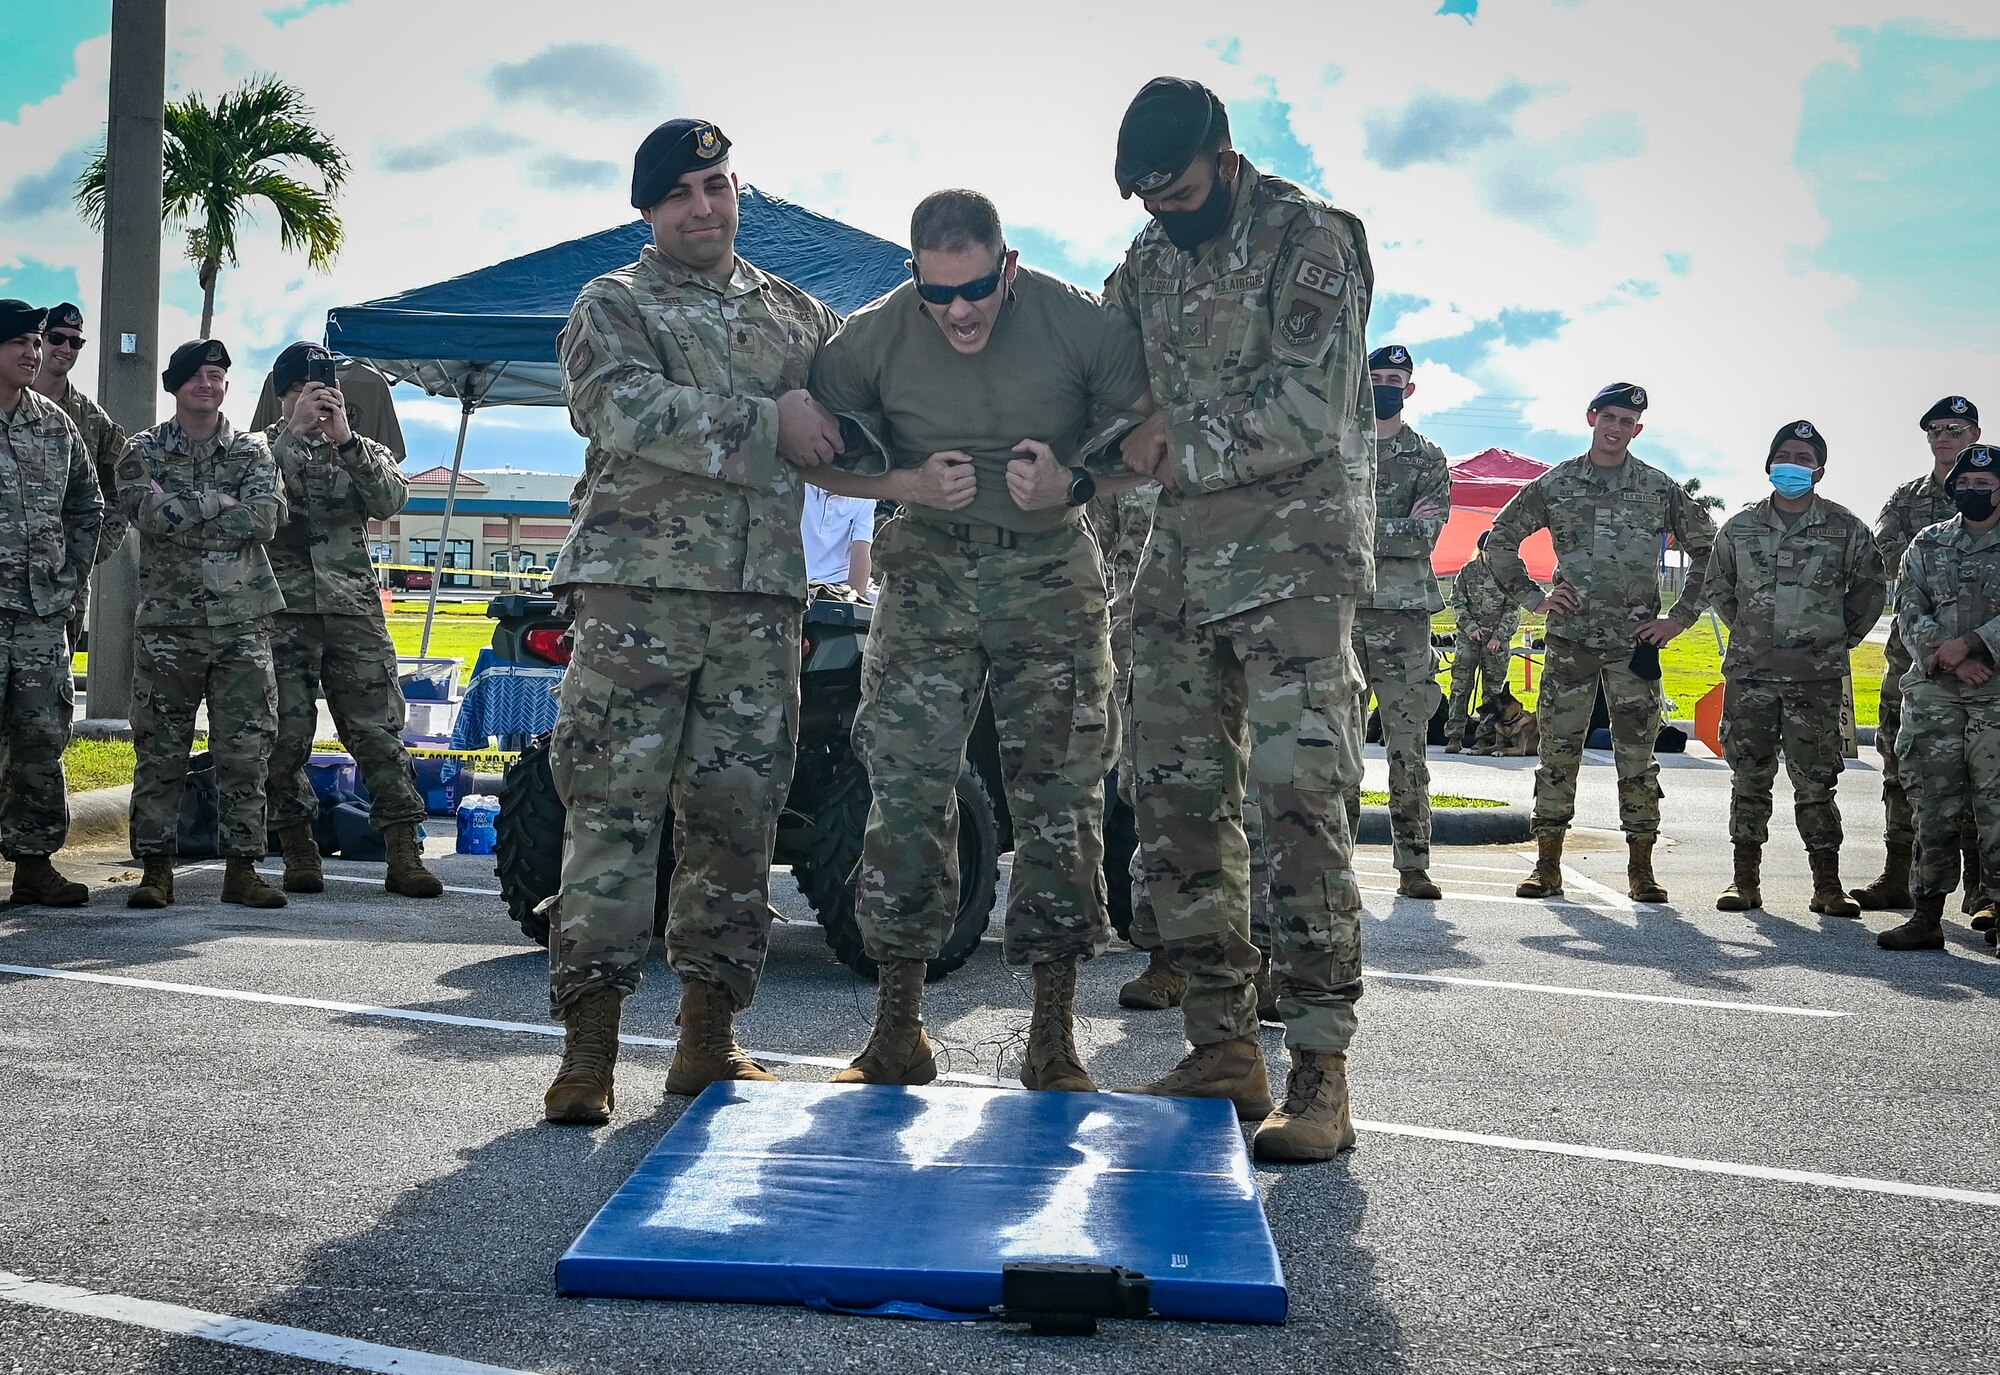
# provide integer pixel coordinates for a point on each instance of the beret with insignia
(1625, 394)
(1977, 458)
(1805, 432)
(669, 153)
(68, 315)
(1165, 127)
(189, 359)
(1950, 408)
(17, 318)
(1390, 356)
(290, 369)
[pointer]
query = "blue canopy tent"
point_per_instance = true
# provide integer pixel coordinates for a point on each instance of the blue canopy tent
(489, 337)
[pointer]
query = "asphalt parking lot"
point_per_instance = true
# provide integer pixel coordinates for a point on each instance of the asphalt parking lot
(1596, 1136)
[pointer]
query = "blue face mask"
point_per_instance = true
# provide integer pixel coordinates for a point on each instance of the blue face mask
(1792, 479)
(1388, 402)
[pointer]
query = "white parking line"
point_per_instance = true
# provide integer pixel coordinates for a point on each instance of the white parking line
(323, 1347)
(1511, 1143)
(1566, 991)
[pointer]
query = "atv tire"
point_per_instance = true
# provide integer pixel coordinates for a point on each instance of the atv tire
(527, 854)
(827, 880)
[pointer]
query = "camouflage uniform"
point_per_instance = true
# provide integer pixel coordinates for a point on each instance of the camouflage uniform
(1797, 594)
(989, 599)
(1917, 504)
(1243, 663)
(332, 636)
(1606, 524)
(1483, 613)
(206, 597)
(49, 511)
(1950, 742)
(1392, 634)
(104, 442)
(686, 570)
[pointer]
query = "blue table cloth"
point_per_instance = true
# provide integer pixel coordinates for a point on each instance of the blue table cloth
(509, 701)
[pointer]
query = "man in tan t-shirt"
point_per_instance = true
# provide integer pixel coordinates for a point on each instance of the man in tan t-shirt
(979, 379)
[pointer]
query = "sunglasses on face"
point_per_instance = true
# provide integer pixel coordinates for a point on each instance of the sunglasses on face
(65, 341)
(978, 289)
(1950, 431)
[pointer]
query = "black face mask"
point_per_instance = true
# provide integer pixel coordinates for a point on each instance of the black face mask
(1190, 229)
(1973, 505)
(1388, 402)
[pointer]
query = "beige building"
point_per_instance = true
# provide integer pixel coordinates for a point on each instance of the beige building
(503, 520)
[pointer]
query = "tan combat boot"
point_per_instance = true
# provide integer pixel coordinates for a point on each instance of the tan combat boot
(407, 874)
(707, 1052)
(1221, 1069)
(156, 886)
(1829, 898)
(1744, 894)
(303, 873)
(1639, 880)
(1313, 1123)
(242, 885)
(582, 1092)
(1892, 889)
(1052, 1063)
(1547, 879)
(899, 1050)
(1923, 931)
(1159, 986)
(36, 881)
(1266, 985)
(1416, 883)
(1986, 919)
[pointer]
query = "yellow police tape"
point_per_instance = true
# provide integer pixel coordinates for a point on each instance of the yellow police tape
(502, 758)
(460, 572)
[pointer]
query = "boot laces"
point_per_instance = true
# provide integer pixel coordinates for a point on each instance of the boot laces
(1303, 1087)
(1054, 992)
(593, 1032)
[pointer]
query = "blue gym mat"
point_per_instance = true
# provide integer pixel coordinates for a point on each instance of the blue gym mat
(909, 1201)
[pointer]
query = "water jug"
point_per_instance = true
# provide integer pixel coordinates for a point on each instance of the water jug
(476, 816)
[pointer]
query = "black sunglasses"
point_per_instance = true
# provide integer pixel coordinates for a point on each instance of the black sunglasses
(978, 289)
(68, 341)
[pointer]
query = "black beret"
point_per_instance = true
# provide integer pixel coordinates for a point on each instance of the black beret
(1626, 394)
(669, 153)
(290, 369)
(1976, 458)
(1805, 432)
(1165, 126)
(68, 315)
(1391, 356)
(1951, 408)
(17, 318)
(190, 358)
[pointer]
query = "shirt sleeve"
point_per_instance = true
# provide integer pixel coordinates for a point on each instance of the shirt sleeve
(1694, 531)
(1867, 585)
(845, 381)
(82, 509)
(1406, 536)
(1525, 512)
(1721, 579)
(1916, 609)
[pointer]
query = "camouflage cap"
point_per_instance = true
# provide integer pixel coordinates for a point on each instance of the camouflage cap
(1165, 127)
(669, 153)
(1977, 458)
(17, 318)
(189, 359)
(1950, 408)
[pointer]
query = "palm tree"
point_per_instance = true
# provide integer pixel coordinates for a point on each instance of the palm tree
(219, 160)
(1708, 501)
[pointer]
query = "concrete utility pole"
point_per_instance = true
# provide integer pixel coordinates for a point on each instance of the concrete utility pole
(128, 313)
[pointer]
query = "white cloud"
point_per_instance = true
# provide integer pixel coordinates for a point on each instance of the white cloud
(1439, 320)
(1439, 389)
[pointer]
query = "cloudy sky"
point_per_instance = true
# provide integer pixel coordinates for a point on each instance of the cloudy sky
(1758, 209)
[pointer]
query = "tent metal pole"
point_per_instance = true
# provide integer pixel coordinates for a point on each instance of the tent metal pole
(444, 527)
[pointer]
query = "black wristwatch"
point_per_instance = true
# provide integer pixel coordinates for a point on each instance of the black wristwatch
(353, 443)
(1082, 486)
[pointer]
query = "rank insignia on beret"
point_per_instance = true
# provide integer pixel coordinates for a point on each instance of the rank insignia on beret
(214, 354)
(706, 141)
(1958, 404)
(1803, 429)
(1638, 396)
(1152, 181)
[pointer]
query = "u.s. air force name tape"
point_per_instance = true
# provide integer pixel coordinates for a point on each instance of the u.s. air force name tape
(459, 572)
(501, 758)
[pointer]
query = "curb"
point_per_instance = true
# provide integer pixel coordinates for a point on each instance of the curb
(100, 816)
(1509, 825)
(101, 728)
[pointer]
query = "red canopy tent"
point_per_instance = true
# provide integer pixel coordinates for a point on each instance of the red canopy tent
(1480, 486)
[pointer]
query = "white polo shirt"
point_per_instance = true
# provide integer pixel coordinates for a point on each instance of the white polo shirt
(831, 524)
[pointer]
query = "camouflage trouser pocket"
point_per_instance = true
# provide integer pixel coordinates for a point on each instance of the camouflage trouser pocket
(583, 715)
(1326, 749)
(1092, 747)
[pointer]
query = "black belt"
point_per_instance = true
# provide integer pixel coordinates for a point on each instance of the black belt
(976, 533)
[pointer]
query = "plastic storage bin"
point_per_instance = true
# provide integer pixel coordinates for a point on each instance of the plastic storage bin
(428, 680)
(429, 719)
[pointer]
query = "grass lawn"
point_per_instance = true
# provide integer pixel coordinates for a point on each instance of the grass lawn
(91, 764)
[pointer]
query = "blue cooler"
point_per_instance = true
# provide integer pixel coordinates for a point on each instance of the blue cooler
(444, 782)
(332, 772)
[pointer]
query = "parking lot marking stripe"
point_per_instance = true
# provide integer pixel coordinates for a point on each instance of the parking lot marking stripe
(1611, 994)
(1855, 1183)
(377, 882)
(410, 1014)
(1507, 899)
(324, 1347)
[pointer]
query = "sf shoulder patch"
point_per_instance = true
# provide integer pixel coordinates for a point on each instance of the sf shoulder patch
(1307, 308)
